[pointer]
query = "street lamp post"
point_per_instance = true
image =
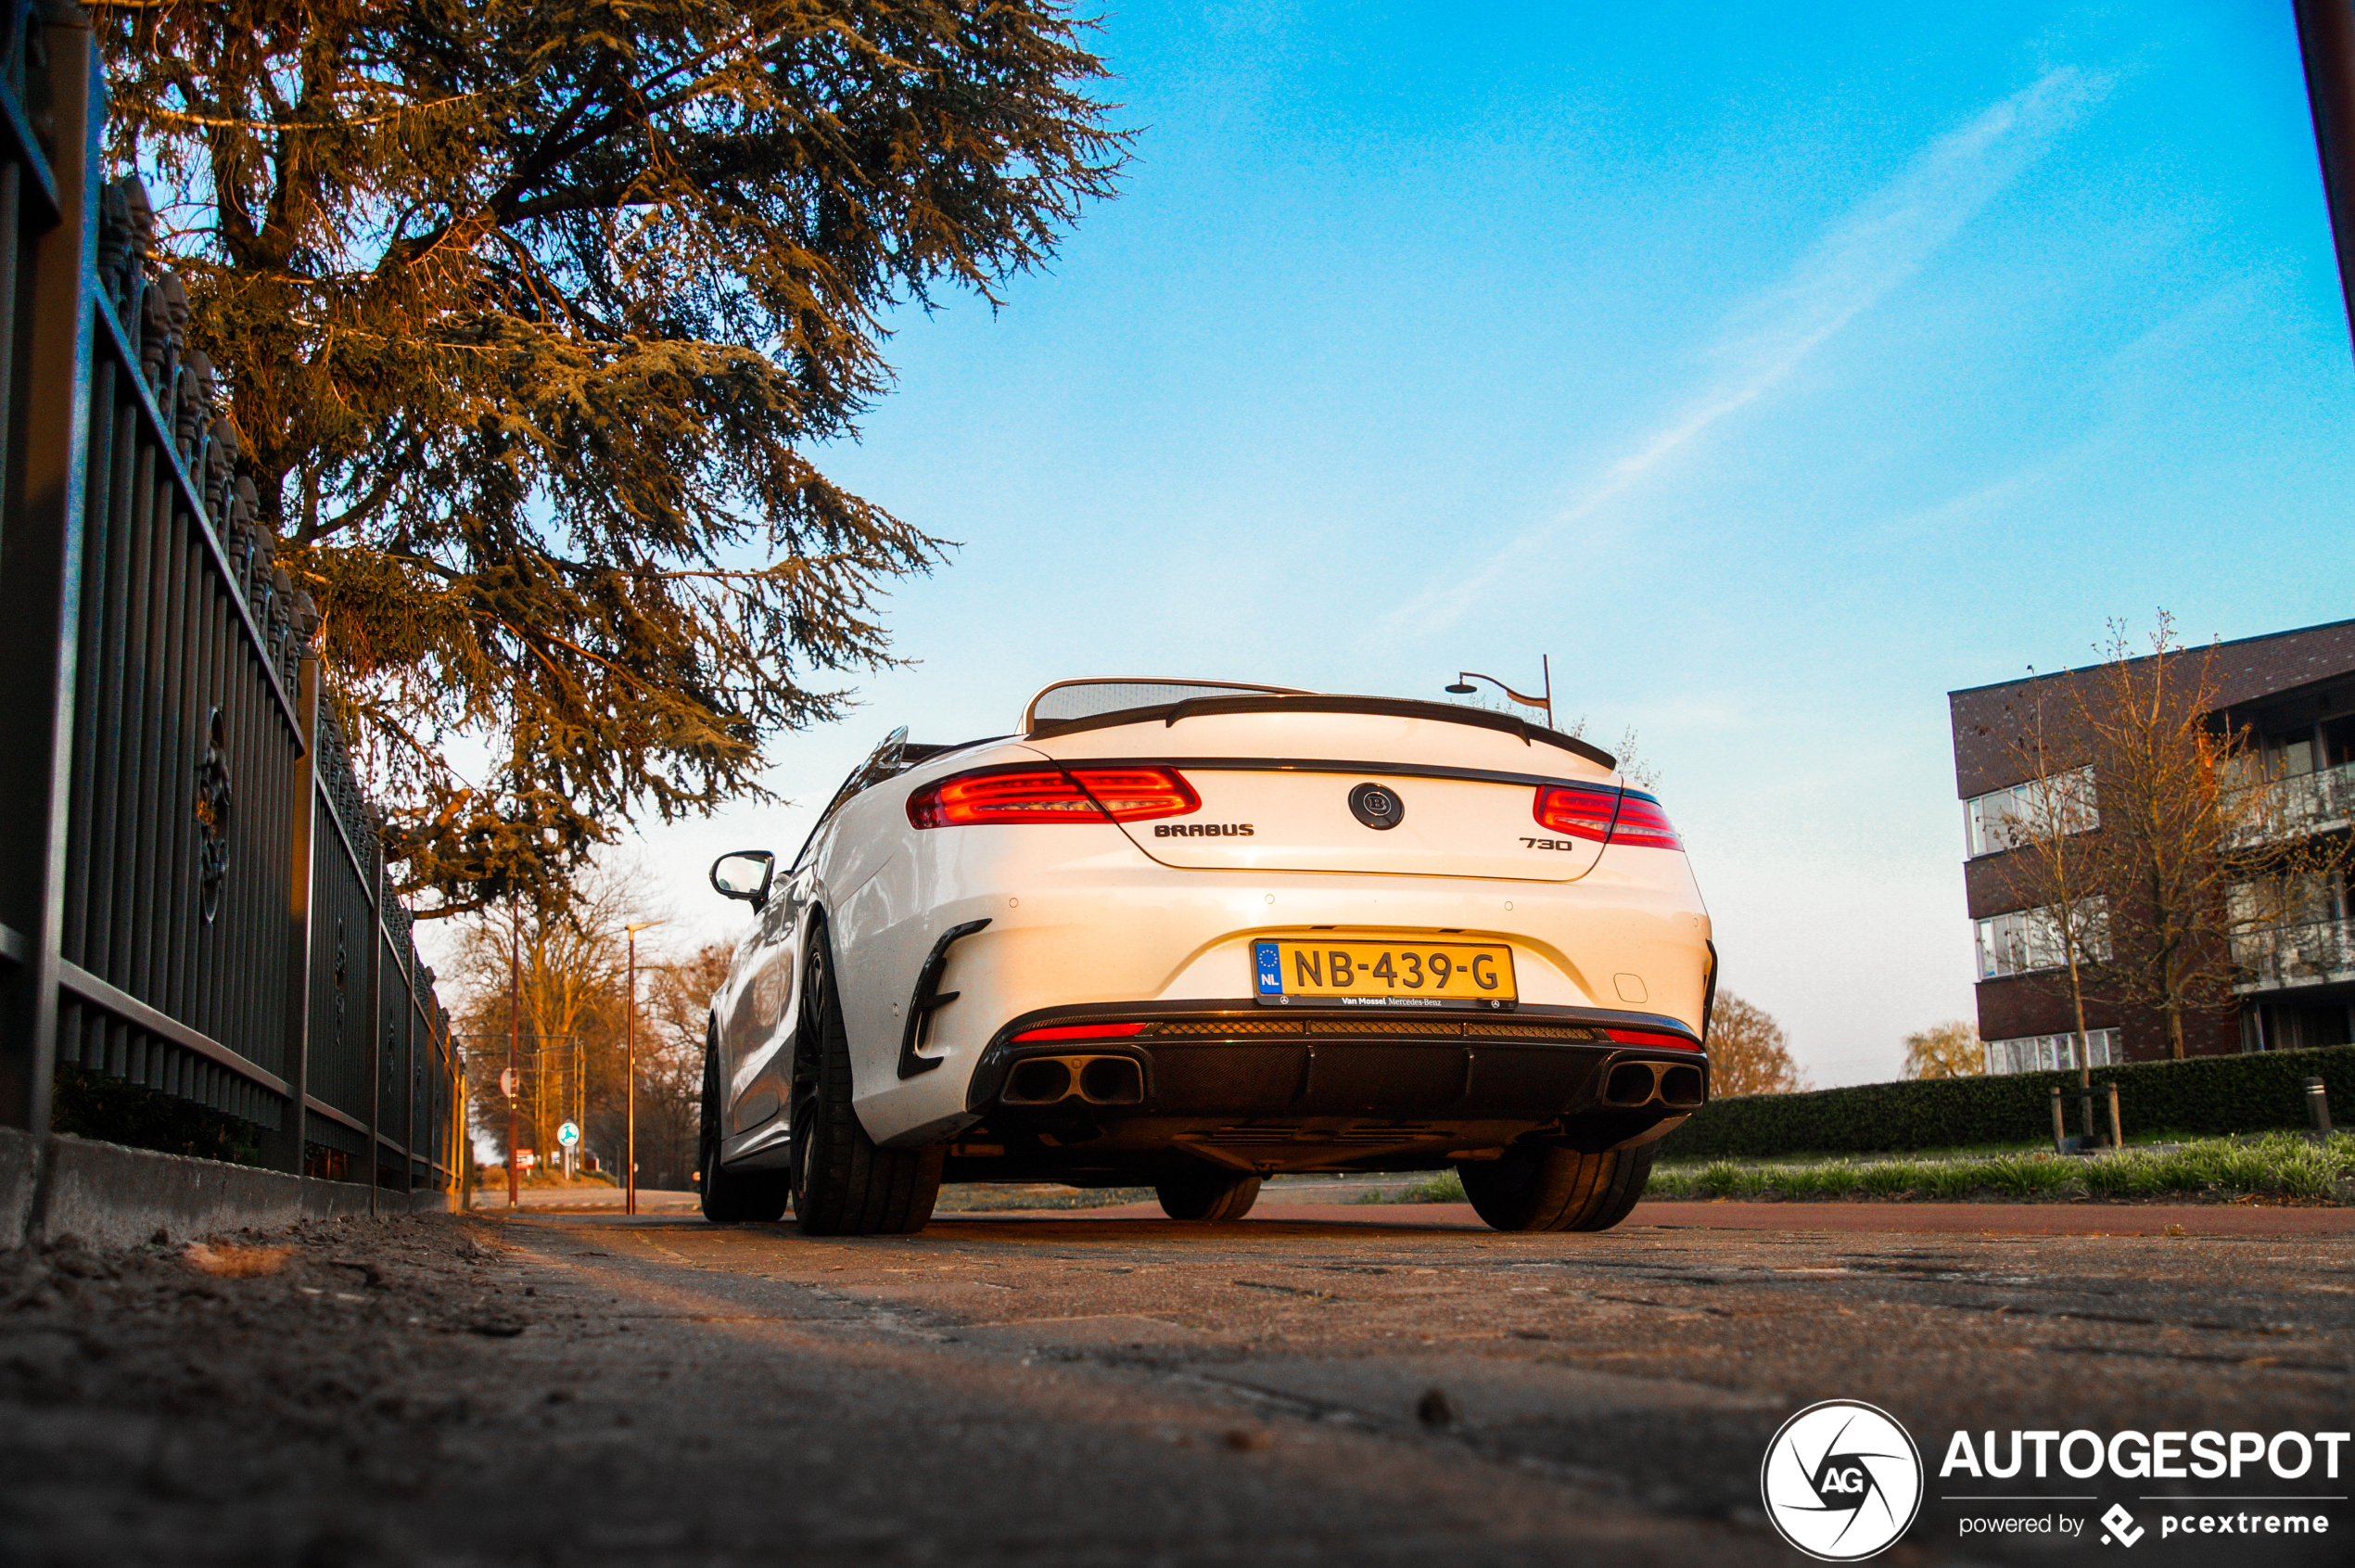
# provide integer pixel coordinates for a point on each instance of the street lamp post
(514, 1032)
(1464, 688)
(2326, 39)
(630, 1075)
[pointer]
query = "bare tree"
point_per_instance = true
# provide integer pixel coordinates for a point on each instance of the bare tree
(575, 1014)
(568, 980)
(1749, 1053)
(2198, 844)
(672, 1016)
(1952, 1050)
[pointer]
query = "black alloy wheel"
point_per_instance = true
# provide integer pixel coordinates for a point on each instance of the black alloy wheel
(1541, 1186)
(844, 1182)
(729, 1197)
(1207, 1193)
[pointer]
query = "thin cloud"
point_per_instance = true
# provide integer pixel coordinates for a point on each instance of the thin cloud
(1878, 245)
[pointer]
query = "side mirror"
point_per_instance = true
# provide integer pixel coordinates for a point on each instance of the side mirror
(744, 874)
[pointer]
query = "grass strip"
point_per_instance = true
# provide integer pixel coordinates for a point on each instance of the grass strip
(1445, 1187)
(981, 1197)
(2285, 1165)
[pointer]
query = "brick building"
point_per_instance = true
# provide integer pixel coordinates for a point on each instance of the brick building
(2294, 694)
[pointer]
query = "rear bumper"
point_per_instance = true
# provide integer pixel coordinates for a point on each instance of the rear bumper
(1243, 1085)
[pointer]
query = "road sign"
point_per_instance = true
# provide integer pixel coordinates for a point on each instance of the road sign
(568, 1135)
(525, 1159)
(509, 1081)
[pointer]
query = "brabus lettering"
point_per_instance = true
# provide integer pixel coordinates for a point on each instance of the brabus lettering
(1203, 830)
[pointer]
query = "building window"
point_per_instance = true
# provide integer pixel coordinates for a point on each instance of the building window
(2027, 941)
(2038, 809)
(2285, 787)
(2270, 902)
(2047, 1053)
(2292, 931)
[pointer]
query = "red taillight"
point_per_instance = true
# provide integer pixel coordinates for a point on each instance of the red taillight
(1653, 1037)
(1600, 813)
(1083, 1031)
(1576, 810)
(1053, 795)
(1642, 824)
(1139, 795)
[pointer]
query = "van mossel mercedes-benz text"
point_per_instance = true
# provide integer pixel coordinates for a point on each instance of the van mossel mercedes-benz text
(1186, 934)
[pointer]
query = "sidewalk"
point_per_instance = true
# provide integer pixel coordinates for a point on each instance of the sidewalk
(586, 1197)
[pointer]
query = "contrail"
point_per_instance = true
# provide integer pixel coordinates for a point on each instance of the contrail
(1880, 243)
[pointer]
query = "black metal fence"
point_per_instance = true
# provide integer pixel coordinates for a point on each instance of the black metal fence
(192, 892)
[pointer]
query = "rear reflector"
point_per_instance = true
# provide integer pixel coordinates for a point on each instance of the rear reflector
(1024, 794)
(1605, 815)
(1653, 1037)
(1083, 1031)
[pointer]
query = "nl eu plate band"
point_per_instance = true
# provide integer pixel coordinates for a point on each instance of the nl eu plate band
(1383, 973)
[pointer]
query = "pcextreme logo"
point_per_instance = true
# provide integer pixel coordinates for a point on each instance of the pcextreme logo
(1841, 1481)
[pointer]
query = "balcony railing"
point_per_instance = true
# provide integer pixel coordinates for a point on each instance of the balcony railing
(2315, 953)
(2315, 802)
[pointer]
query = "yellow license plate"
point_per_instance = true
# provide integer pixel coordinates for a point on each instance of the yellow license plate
(1353, 972)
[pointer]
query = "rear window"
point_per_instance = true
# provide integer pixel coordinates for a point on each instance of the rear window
(1086, 699)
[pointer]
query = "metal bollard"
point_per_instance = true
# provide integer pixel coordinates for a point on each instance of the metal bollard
(2318, 1107)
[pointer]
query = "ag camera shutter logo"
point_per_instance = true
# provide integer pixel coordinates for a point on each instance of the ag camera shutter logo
(1842, 1481)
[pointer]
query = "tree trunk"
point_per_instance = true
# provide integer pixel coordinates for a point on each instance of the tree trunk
(2076, 1000)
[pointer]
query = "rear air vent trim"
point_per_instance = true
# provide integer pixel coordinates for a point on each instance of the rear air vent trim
(1533, 1031)
(1393, 1029)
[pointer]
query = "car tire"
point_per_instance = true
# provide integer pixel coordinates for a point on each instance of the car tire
(844, 1182)
(1540, 1186)
(730, 1197)
(1207, 1194)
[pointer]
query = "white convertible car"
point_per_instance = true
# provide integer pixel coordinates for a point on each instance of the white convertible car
(1186, 935)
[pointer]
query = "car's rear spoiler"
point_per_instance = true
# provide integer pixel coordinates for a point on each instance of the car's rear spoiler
(1315, 702)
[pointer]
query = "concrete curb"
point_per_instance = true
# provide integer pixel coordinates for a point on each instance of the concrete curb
(107, 1195)
(19, 1183)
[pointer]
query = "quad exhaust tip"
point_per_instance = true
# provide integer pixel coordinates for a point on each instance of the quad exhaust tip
(1099, 1081)
(1673, 1084)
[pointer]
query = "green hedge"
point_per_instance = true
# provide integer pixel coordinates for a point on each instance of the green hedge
(2204, 1095)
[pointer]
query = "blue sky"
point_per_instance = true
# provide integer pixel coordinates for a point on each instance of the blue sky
(1775, 369)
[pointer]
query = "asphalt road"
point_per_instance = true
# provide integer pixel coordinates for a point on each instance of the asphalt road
(1372, 1387)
